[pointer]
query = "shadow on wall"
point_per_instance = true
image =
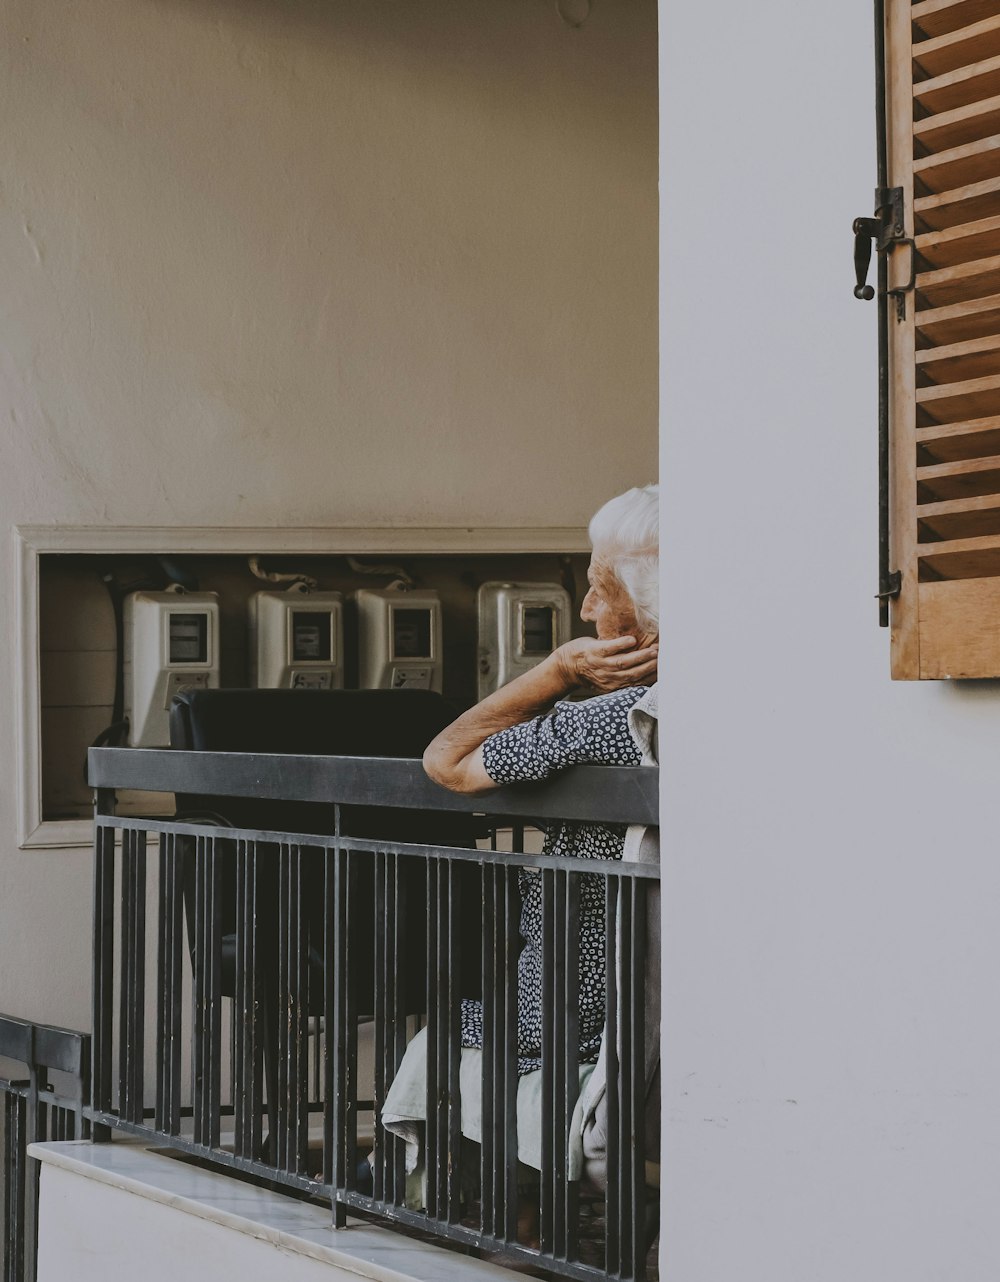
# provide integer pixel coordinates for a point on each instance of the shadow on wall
(973, 691)
(503, 51)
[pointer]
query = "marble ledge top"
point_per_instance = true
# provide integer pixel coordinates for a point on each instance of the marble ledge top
(371, 1252)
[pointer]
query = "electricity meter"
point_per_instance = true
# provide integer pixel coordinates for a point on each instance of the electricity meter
(399, 639)
(171, 644)
(519, 624)
(297, 640)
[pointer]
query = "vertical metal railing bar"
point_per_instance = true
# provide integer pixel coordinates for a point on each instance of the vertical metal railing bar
(570, 1054)
(453, 1042)
(563, 1064)
(168, 989)
(248, 1095)
(15, 1128)
(207, 1040)
(550, 1015)
(315, 1058)
(331, 971)
(310, 993)
(133, 979)
(397, 1014)
(351, 925)
(431, 1137)
(489, 880)
(295, 1021)
(634, 961)
(176, 924)
(125, 953)
(35, 1129)
(628, 1142)
(612, 1263)
(14, 1162)
(213, 873)
(243, 1004)
(389, 1175)
(299, 1103)
(280, 1030)
(441, 1102)
(102, 1046)
(139, 977)
(512, 950)
(344, 1085)
(198, 963)
(380, 939)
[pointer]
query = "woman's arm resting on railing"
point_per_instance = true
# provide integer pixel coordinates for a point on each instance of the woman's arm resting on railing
(455, 758)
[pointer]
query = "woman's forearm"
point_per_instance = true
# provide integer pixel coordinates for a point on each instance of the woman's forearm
(455, 760)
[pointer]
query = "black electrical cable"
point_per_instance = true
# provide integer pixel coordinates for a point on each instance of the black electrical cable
(115, 734)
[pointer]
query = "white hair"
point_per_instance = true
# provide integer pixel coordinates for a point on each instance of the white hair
(625, 535)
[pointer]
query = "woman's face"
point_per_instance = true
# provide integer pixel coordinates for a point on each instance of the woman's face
(607, 605)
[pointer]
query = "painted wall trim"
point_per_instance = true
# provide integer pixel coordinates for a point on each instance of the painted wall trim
(317, 541)
(33, 541)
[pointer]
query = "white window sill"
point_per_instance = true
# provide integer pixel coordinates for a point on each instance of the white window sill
(292, 1226)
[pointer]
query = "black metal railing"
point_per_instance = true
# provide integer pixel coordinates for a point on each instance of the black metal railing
(325, 943)
(48, 1101)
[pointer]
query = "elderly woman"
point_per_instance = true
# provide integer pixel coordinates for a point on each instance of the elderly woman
(526, 732)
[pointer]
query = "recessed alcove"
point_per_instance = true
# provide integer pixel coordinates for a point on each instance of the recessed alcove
(70, 648)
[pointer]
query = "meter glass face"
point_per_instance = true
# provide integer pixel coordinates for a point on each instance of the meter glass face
(411, 634)
(311, 636)
(537, 629)
(188, 638)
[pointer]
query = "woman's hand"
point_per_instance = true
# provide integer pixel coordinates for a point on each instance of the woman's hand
(606, 665)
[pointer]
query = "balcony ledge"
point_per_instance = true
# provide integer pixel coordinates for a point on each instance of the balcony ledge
(294, 1228)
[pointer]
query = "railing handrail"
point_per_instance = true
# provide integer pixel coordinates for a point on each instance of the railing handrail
(43, 1045)
(597, 794)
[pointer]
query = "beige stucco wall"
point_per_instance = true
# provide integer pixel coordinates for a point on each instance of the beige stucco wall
(292, 262)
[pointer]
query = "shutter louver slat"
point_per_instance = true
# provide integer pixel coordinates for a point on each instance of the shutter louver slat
(952, 402)
(962, 244)
(959, 322)
(958, 362)
(936, 17)
(961, 559)
(972, 162)
(952, 519)
(963, 205)
(959, 88)
(950, 129)
(957, 49)
(959, 284)
(947, 443)
(944, 107)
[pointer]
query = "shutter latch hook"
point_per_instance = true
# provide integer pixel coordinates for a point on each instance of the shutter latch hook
(888, 231)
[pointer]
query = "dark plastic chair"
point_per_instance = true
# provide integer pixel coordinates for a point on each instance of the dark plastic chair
(370, 723)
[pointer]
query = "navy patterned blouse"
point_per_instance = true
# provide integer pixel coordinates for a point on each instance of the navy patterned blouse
(593, 732)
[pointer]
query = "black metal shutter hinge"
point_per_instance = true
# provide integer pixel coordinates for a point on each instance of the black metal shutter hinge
(888, 232)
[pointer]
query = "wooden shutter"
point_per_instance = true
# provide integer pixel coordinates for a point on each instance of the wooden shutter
(943, 113)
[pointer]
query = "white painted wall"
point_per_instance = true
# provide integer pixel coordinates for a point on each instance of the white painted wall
(295, 263)
(832, 875)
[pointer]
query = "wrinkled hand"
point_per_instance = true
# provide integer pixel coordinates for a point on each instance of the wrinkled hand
(606, 665)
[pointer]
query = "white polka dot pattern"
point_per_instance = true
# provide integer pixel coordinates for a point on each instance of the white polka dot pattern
(594, 732)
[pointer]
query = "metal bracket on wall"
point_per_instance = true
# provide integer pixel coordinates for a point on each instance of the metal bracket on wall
(887, 230)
